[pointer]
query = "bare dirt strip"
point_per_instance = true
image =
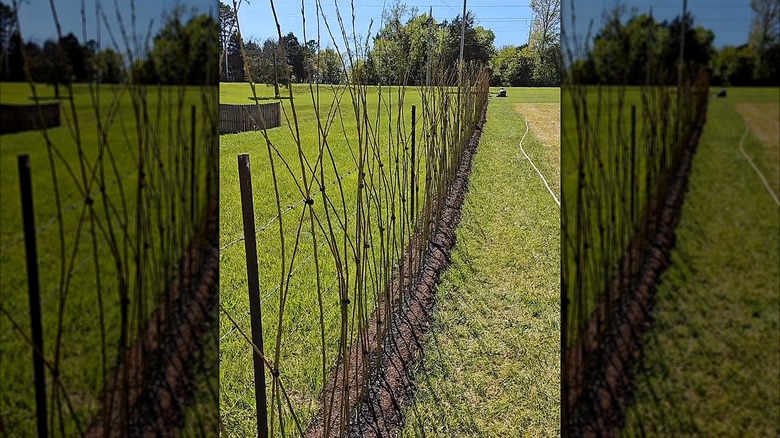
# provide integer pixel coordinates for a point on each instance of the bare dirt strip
(763, 119)
(376, 395)
(612, 340)
(545, 122)
(151, 389)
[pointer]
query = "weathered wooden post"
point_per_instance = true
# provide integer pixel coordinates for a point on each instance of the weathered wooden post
(33, 285)
(250, 243)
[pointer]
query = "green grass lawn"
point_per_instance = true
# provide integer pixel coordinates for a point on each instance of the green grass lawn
(491, 360)
(89, 338)
(712, 356)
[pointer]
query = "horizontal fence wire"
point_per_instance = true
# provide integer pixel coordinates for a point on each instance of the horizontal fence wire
(292, 272)
(68, 208)
(286, 210)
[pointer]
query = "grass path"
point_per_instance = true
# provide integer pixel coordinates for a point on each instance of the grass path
(491, 365)
(713, 354)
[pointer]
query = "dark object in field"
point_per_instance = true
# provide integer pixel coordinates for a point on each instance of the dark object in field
(501, 92)
(33, 117)
(721, 93)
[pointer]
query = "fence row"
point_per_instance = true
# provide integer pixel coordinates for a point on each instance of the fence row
(134, 289)
(618, 171)
(357, 235)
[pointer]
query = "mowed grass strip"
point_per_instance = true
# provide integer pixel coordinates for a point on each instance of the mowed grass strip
(712, 356)
(491, 360)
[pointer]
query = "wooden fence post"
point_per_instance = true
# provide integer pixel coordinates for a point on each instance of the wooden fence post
(248, 214)
(33, 283)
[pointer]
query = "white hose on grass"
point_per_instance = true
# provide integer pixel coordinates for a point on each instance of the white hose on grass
(534, 166)
(760, 175)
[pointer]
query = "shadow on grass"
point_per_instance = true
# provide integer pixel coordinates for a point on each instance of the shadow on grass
(433, 363)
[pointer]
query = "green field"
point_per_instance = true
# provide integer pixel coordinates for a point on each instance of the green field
(712, 356)
(491, 359)
(96, 153)
(308, 329)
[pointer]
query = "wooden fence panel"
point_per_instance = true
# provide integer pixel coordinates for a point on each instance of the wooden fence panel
(17, 118)
(242, 118)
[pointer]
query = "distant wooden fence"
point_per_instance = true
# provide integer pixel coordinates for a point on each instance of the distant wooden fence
(242, 118)
(16, 118)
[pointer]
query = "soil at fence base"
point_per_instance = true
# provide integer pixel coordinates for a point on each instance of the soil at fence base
(150, 390)
(597, 403)
(377, 398)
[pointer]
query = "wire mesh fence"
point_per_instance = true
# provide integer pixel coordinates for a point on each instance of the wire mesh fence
(347, 199)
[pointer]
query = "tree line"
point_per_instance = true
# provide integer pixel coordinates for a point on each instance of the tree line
(649, 50)
(409, 47)
(182, 52)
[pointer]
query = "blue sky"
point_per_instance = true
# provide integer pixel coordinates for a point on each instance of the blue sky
(509, 20)
(37, 19)
(728, 19)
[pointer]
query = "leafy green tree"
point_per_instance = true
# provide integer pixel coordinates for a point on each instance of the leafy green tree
(13, 61)
(186, 53)
(609, 44)
(296, 56)
(734, 66)
(649, 52)
(544, 42)
(635, 43)
(392, 44)
(764, 40)
(234, 70)
(358, 73)
(227, 31)
(7, 43)
(698, 50)
(51, 65)
(330, 70)
(266, 62)
(109, 67)
(409, 41)
(512, 66)
(143, 72)
(477, 42)
(39, 70)
(77, 57)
